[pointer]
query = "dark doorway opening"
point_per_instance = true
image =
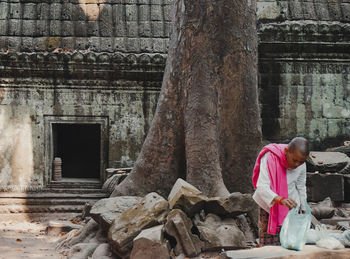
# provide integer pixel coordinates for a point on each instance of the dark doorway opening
(79, 147)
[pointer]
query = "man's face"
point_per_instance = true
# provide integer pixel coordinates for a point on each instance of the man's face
(294, 158)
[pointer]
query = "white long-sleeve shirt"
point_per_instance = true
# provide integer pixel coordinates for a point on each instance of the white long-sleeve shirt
(296, 180)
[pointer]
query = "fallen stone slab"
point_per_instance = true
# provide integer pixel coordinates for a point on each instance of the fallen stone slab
(106, 210)
(179, 226)
(233, 205)
(321, 186)
(278, 252)
(151, 210)
(220, 234)
(55, 228)
(150, 244)
(186, 197)
(342, 149)
(335, 220)
(323, 209)
(327, 162)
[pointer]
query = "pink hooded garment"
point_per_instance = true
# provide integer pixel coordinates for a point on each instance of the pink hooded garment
(277, 166)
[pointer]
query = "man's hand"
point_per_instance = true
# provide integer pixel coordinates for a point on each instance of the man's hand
(290, 203)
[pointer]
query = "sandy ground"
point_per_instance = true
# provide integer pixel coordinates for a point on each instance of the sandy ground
(20, 238)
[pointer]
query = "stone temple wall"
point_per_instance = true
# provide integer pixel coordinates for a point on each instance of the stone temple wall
(93, 62)
(101, 62)
(304, 65)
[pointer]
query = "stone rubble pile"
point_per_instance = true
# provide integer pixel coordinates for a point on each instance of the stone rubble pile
(329, 174)
(186, 224)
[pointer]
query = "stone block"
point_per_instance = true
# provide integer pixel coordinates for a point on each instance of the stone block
(156, 2)
(55, 11)
(220, 234)
(186, 197)
(342, 149)
(29, 27)
(80, 28)
(157, 29)
(106, 210)
(321, 186)
(145, 29)
(144, 12)
(347, 188)
(68, 43)
(324, 162)
(321, 9)
(146, 44)
(55, 28)
(4, 7)
(42, 28)
(106, 29)
(3, 43)
(118, 12)
(30, 11)
(296, 10)
(81, 43)
(43, 11)
(78, 12)
(131, 12)
(67, 28)
(167, 12)
(67, 9)
(55, 228)
(106, 13)
(167, 29)
(309, 11)
(323, 209)
(346, 12)
(150, 211)
(133, 45)
(95, 44)
(179, 226)
(106, 44)
(233, 205)
(159, 46)
(334, 11)
(92, 28)
(14, 43)
(156, 13)
(119, 44)
(150, 244)
(14, 27)
(40, 44)
(120, 30)
(131, 29)
(3, 27)
(15, 11)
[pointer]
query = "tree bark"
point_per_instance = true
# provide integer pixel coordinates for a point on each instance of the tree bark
(206, 128)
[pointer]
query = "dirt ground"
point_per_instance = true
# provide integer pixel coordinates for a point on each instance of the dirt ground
(26, 238)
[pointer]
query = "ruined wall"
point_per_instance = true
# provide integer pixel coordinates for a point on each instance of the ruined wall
(77, 60)
(304, 70)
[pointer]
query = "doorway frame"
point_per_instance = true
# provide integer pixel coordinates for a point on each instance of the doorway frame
(50, 120)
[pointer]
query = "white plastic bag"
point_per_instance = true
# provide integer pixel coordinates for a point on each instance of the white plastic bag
(327, 241)
(312, 236)
(294, 229)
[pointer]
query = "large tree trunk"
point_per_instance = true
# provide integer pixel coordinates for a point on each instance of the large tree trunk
(206, 128)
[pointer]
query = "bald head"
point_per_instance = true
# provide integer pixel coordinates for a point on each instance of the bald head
(300, 144)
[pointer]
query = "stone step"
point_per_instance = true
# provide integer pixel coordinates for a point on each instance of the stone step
(52, 201)
(6, 209)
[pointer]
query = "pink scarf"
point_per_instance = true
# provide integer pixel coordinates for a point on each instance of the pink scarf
(277, 165)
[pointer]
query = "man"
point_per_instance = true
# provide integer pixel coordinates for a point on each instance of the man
(279, 179)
